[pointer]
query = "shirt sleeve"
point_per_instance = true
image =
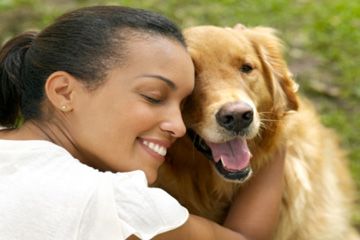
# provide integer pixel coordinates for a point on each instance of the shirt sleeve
(148, 211)
(124, 205)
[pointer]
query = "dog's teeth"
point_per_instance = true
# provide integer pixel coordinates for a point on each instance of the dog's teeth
(222, 161)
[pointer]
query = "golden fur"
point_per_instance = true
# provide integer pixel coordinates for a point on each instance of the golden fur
(318, 190)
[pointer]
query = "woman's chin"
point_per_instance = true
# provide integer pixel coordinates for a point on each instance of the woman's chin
(151, 177)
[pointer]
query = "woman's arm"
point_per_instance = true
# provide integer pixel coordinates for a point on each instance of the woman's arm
(198, 228)
(256, 209)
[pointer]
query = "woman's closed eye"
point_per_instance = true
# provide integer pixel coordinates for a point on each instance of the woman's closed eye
(152, 99)
(154, 92)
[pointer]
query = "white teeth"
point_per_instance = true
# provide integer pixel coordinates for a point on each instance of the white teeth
(156, 148)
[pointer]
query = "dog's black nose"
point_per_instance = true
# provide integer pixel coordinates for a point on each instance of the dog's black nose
(235, 116)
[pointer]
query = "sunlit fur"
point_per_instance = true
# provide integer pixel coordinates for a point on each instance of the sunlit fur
(318, 190)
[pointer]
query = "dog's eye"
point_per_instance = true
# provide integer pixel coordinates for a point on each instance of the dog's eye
(246, 68)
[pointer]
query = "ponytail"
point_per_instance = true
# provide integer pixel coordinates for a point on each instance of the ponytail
(12, 59)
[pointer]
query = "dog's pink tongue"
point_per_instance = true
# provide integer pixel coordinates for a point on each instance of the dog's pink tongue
(235, 154)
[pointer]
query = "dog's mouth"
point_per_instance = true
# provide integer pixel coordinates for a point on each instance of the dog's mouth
(231, 158)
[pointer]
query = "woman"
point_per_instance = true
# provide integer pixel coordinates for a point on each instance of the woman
(100, 92)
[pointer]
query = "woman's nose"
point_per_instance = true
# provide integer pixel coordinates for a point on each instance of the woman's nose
(174, 124)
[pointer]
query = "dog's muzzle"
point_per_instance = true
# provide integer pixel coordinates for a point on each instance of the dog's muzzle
(231, 175)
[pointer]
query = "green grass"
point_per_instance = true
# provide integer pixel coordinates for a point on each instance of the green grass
(322, 37)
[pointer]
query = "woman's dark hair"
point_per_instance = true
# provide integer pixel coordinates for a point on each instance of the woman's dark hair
(86, 43)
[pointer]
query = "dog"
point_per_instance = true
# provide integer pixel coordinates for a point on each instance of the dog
(245, 99)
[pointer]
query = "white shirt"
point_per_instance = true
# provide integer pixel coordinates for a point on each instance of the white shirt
(47, 194)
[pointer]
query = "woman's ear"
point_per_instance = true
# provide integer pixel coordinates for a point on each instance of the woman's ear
(60, 88)
(269, 49)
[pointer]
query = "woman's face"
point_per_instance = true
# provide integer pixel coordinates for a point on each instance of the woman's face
(130, 121)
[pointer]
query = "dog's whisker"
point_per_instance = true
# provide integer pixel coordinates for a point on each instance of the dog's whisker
(269, 120)
(265, 113)
(258, 134)
(263, 127)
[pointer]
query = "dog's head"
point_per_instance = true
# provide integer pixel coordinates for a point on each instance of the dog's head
(242, 89)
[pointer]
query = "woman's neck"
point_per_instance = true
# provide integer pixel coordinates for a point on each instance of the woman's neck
(30, 130)
(35, 130)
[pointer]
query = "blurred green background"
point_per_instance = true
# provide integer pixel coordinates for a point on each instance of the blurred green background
(322, 39)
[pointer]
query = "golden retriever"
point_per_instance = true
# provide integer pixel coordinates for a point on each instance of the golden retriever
(246, 100)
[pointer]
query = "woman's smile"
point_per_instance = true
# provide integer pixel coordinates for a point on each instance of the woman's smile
(155, 148)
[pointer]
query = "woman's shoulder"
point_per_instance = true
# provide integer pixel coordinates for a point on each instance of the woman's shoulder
(41, 168)
(20, 149)
(43, 186)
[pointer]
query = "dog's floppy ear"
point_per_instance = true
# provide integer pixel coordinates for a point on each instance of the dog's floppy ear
(278, 77)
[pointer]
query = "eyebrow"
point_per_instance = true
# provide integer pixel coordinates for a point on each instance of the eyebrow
(170, 83)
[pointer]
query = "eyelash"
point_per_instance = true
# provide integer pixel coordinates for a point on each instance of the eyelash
(152, 100)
